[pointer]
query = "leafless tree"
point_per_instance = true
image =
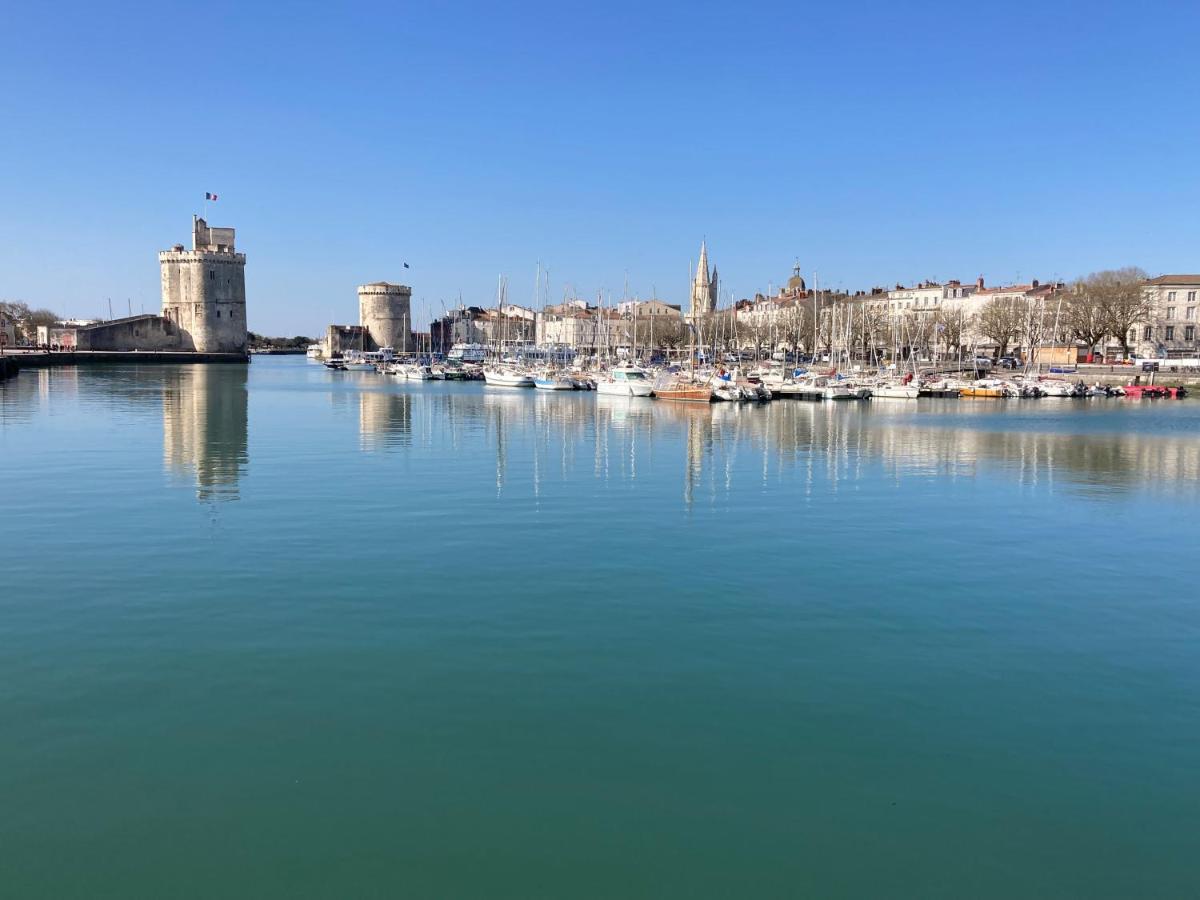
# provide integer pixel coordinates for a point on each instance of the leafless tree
(1083, 314)
(1123, 300)
(949, 326)
(1000, 320)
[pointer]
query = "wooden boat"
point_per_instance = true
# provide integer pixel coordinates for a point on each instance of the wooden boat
(688, 391)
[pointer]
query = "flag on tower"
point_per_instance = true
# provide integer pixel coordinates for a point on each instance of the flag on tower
(208, 196)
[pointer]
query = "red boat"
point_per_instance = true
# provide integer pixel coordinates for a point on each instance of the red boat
(1153, 392)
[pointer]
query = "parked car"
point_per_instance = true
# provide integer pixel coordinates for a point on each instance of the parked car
(1009, 362)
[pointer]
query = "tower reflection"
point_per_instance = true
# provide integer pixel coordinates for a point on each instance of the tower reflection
(204, 427)
(384, 420)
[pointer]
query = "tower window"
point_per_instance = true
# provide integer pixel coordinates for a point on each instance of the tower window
(218, 314)
(212, 275)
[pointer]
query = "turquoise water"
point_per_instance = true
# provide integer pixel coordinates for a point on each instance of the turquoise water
(280, 632)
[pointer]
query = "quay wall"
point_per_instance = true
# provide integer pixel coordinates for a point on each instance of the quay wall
(43, 359)
(8, 368)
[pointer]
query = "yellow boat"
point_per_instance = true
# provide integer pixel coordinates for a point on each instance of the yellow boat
(981, 391)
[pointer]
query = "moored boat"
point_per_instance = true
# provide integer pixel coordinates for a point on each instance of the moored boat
(502, 376)
(625, 381)
(550, 381)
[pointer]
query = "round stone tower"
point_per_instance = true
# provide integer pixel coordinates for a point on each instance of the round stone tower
(384, 309)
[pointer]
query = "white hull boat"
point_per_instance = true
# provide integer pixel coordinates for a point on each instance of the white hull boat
(625, 381)
(896, 391)
(507, 378)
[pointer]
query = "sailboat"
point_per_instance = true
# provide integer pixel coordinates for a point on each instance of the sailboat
(498, 374)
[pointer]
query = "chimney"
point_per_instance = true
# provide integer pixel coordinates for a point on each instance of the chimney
(1035, 282)
(979, 283)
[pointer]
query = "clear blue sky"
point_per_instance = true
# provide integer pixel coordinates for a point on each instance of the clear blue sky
(877, 142)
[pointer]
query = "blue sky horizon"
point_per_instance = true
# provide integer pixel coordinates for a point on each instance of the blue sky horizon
(872, 143)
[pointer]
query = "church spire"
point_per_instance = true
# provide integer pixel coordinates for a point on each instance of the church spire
(702, 266)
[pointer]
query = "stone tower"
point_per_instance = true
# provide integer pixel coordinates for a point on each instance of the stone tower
(384, 309)
(204, 291)
(704, 286)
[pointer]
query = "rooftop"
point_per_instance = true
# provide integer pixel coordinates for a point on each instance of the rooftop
(1175, 279)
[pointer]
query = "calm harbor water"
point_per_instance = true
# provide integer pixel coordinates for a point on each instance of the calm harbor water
(280, 632)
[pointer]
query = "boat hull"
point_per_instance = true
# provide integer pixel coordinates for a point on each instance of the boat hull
(507, 379)
(685, 394)
(624, 389)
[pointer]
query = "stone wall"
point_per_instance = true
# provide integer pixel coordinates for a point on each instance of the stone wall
(340, 338)
(146, 332)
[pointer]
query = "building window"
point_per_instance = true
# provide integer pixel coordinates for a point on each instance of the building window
(1147, 333)
(1189, 333)
(1191, 296)
(1191, 312)
(1170, 296)
(218, 314)
(1170, 312)
(212, 275)
(1170, 332)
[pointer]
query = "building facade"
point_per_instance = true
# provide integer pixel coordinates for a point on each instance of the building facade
(204, 291)
(1170, 332)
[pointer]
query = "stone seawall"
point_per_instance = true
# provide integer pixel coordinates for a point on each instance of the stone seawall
(110, 357)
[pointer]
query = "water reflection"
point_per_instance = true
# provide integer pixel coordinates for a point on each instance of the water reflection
(384, 420)
(723, 446)
(204, 414)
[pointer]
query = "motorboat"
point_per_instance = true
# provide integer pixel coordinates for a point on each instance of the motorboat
(552, 381)
(417, 372)
(503, 376)
(989, 388)
(625, 381)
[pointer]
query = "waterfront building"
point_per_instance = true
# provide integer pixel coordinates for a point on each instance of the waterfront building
(459, 326)
(8, 330)
(581, 327)
(927, 297)
(203, 293)
(510, 324)
(1170, 331)
(775, 311)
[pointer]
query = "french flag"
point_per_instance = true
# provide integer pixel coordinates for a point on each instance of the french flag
(208, 196)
